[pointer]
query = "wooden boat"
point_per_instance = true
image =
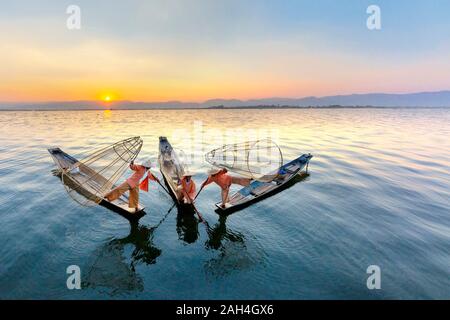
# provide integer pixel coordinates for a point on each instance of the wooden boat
(172, 170)
(258, 190)
(65, 161)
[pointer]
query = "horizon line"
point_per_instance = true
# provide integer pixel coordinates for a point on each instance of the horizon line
(262, 107)
(225, 99)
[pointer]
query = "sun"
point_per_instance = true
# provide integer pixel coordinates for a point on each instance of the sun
(107, 98)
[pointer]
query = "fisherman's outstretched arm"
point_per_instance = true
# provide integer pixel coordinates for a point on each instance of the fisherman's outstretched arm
(207, 181)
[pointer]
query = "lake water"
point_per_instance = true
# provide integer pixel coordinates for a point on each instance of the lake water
(378, 193)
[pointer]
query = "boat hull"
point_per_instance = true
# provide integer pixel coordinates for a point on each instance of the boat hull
(258, 190)
(172, 171)
(65, 161)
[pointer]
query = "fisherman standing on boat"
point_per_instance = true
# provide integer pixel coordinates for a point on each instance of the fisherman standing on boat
(132, 184)
(224, 181)
(187, 188)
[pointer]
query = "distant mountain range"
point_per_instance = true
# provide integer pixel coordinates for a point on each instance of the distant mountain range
(421, 99)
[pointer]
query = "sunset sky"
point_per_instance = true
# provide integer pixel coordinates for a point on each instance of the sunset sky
(198, 50)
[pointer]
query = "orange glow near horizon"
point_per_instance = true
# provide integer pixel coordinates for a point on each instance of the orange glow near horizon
(163, 54)
(108, 97)
(102, 74)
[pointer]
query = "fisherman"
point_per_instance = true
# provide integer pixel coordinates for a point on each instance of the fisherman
(224, 181)
(132, 184)
(186, 188)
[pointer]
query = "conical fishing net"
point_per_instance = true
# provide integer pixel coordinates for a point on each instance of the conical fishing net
(259, 160)
(90, 179)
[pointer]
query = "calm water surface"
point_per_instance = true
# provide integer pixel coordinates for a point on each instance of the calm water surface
(378, 193)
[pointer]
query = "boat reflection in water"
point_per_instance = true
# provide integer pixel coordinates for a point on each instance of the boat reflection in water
(232, 254)
(234, 251)
(188, 231)
(187, 227)
(109, 270)
(219, 234)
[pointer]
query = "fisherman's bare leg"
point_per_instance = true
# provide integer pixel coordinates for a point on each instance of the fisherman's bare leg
(133, 201)
(117, 192)
(225, 196)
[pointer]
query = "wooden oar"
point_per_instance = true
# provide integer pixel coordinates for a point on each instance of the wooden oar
(198, 213)
(195, 208)
(159, 182)
(173, 206)
(162, 186)
(161, 221)
(199, 192)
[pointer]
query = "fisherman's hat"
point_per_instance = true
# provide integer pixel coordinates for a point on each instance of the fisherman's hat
(147, 163)
(212, 171)
(188, 173)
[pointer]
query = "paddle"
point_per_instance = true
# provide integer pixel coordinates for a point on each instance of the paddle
(159, 182)
(173, 206)
(198, 213)
(162, 186)
(162, 220)
(195, 208)
(200, 190)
